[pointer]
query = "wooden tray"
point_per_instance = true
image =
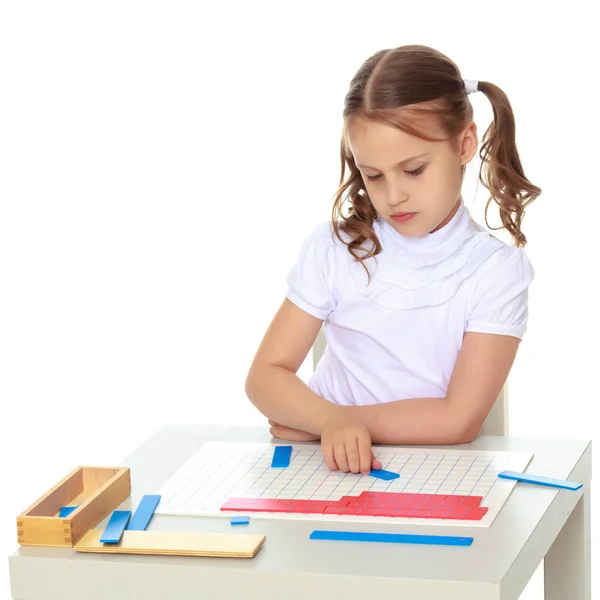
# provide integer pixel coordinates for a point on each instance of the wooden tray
(97, 490)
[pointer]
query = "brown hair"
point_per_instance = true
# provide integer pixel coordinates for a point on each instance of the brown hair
(426, 82)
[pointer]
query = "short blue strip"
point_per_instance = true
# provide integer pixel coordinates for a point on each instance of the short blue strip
(281, 456)
(383, 474)
(116, 525)
(65, 511)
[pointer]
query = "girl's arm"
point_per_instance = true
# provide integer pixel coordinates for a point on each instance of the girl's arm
(481, 369)
(272, 384)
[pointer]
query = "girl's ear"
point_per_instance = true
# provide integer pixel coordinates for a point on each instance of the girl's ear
(468, 143)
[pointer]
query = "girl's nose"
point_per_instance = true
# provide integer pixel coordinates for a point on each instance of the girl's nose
(396, 195)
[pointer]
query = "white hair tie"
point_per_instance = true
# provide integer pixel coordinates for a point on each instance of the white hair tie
(471, 86)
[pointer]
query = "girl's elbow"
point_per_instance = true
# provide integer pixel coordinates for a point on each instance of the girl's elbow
(468, 437)
(257, 391)
(465, 429)
(469, 431)
(251, 385)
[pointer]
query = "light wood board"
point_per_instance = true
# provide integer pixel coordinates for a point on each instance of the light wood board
(232, 545)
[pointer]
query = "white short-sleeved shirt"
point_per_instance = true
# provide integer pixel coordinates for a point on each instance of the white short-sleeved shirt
(399, 336)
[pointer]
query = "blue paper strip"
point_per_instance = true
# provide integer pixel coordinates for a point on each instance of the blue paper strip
(527, 478)
(144, 513)
(383, 474)
(396, 538)
(281, 456)
(116, 525)
(65, 511)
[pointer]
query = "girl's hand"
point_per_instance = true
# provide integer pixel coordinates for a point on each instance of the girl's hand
(293, 435)
(346, 445)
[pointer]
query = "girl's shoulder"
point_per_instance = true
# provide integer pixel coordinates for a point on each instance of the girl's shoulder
(324, 232)
(323, 240)
(501, 259)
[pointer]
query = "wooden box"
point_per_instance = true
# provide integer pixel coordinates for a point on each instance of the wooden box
(97, 490)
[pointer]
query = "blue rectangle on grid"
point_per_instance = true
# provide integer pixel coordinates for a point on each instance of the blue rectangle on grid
(144, 513)
(65, 511)
(383, 474)
(547, 481)
(281, 456)
(396, 538)
(116, 525)
(239, 520)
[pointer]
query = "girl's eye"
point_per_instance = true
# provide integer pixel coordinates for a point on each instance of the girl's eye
(413, 173)
(416, 171)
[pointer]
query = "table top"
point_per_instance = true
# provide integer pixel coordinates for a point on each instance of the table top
(289, 551)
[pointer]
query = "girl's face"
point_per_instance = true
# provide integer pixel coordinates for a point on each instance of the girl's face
(412, 183)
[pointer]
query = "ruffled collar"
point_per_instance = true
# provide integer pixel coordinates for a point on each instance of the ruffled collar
(425, 271)
(428, 249)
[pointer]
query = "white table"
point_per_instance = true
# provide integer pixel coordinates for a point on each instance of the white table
(536, 523)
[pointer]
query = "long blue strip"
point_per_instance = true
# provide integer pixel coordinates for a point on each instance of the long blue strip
(144, 513)
(396, 538)
(527, 478)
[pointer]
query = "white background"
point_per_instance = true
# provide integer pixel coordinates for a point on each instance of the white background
(161, 163)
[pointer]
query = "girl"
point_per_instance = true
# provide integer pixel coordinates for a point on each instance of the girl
(423, 308)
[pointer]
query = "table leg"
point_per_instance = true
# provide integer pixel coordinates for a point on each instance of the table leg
(567, 566)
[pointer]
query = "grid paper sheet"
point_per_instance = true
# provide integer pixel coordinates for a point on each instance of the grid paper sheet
(221, 470)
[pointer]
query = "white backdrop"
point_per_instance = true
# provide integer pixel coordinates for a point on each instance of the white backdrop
(161, 163)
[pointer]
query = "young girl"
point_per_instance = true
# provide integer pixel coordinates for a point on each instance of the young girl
(423, 308)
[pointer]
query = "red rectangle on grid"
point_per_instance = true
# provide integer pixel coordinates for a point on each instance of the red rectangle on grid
(350, 510)
(448, 505)
(406, 513)
(300, 505)
(466, 500)
(437, 499)
(386, 498)
(334, 510)
(382, 504)
(317, 506)
(446, 498)
(379, 511)
(475, 513)
(456, 512)
(420, 513)
(300, 509)
(370, 496)
(425, 501)
(409, 500)
(270, 505)
(347, 499)
(471, 500)
(339, 503)
(285, 506)
(436, 514)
